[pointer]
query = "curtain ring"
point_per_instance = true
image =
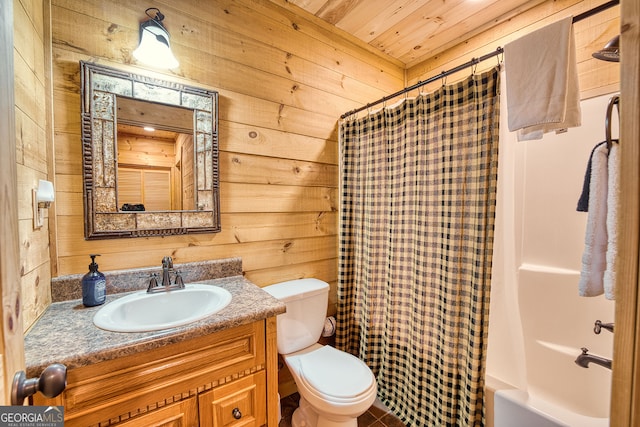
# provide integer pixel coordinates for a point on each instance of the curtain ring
(444, 79)
(475, 66)
(420, 87)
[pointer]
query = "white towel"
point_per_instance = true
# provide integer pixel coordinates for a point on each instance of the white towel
(542, 81)
(594, 255)
(612, 222)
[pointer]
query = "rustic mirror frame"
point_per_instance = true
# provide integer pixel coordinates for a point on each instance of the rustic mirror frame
(100, 86)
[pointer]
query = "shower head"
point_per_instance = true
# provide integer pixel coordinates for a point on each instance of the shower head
(610, 52)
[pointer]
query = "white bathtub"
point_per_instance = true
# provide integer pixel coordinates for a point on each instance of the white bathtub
(509, 407)
(550, 390)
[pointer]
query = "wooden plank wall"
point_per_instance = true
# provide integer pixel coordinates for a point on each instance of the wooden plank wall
(11, 348)
(596, 77)
(32, 144)
(283, 83)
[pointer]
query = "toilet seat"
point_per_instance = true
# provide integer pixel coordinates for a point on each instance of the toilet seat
(333, 375)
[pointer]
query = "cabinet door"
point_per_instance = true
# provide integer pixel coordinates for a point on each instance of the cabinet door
(237, 404)
(179, 414)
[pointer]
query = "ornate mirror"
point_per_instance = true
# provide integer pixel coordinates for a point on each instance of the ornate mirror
(150, 155)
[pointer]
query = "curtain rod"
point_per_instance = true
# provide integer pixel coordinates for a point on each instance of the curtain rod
(470, 63)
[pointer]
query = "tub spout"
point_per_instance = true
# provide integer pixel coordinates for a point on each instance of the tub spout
(585, 358)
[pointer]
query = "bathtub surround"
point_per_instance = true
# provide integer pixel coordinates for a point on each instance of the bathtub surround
(538, 248)
(418, 198)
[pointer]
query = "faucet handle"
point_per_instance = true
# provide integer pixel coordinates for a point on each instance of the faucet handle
(167, 262)
(599, 326)
(153, 282)
(179, 281)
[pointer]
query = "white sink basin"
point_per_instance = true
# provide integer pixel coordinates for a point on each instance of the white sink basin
(143, 312)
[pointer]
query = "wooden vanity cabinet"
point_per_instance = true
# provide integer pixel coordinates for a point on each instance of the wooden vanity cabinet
(228, 378)
(234, 404)
(179, 414)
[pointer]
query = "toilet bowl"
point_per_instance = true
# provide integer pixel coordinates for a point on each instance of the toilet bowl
(335, 387)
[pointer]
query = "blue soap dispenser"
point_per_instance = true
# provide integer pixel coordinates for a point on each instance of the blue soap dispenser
(94, 285)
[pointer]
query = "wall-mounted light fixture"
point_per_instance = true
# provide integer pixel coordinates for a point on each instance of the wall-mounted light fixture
(155, 48)
(42, 198)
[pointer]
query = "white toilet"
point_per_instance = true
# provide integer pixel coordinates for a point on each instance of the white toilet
(335, 387)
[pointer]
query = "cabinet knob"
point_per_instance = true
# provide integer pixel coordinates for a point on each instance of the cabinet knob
(236, 413)
(50, 383)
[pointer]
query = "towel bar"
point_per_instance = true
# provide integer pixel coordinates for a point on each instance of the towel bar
(614, 100)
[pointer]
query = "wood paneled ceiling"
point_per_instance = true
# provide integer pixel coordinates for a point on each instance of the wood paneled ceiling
(414, 30)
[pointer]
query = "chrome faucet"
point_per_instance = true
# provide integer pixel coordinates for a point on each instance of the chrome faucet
(167, 266)
(585, 358)
(167, 269)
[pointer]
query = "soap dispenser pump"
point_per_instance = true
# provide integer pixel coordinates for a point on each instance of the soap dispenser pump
(94, 285)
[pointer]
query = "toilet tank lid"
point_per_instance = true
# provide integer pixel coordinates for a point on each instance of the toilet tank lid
(296, 289)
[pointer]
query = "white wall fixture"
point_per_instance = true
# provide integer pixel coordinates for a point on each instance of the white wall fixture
(42, 198)
(155, 48)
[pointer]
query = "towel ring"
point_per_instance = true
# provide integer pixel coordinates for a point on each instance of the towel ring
(614, 100)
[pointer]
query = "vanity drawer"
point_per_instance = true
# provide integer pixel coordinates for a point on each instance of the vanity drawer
(183, 414)
(119, 389)
(240, 403)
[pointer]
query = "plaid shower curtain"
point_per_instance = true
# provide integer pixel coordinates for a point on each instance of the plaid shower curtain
(418, 184)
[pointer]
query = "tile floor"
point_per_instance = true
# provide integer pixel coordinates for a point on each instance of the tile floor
(377, 416)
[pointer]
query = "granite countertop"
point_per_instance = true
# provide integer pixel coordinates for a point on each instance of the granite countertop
(66, 333)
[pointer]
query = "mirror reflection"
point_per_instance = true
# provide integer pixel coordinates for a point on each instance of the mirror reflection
(155, 157)
(150, 155)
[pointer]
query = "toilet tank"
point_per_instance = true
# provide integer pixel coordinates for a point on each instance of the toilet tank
(306, 301)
